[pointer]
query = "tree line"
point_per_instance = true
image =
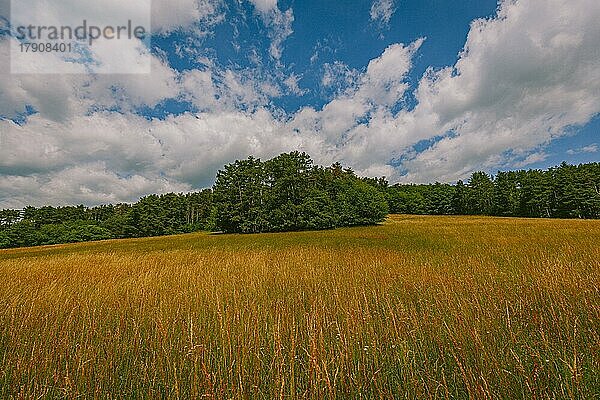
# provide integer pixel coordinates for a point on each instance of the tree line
(290, 193)
(285, 193)
(565, 191)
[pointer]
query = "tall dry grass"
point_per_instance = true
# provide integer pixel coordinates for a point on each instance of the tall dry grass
(422, 307)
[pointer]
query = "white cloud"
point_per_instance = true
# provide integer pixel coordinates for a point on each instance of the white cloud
(184, 151)
(60, 97)
(51, 96)
(384, 82)
(217, 90)
(339, 77)
(82, 184)
(592, 148)
(531, 159)
(292, 83)
(277, 21)
(94, 159)
(382, 11)
(357, 127)
(523, 78)
(265, 6)
(169, 15)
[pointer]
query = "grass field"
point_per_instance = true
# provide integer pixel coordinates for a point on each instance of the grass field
(420, 307)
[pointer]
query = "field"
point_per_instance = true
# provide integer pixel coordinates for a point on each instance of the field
(419, 307)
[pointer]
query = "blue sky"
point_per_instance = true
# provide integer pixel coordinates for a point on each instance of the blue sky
(417, 91)
(323, 35)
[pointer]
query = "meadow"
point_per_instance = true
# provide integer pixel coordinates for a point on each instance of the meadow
(418, 307)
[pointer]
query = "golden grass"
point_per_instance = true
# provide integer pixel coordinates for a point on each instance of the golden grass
(421, 307)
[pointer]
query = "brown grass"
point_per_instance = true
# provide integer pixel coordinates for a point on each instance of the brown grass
(421, 307)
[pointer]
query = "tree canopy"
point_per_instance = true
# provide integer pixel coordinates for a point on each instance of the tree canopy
(565, 191)
(289, 193)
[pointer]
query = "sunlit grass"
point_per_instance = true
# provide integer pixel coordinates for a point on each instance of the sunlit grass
(421, 307)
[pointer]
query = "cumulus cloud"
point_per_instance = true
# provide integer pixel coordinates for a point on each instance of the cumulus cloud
(90, 183)
(357, 126)
(60, 97)
(147, 80)
(52, 96)
(384, 82)
(95, 158)
(182, 152)
(523, 78)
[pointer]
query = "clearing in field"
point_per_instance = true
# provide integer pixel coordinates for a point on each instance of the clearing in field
(420, 307)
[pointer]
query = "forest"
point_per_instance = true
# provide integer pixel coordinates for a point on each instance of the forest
(565, 191)
(290, 193)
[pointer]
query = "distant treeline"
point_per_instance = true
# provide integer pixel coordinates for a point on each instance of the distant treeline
(566, 191)
(289, 193)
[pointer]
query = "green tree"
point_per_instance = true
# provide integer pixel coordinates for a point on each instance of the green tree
(239, 196)
(460, 200)
(506, 194)
(481, 194)
(536, 194)
(358, 203)
(288, 179)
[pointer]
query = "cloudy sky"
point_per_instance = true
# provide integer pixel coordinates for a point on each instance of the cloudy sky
(414, 90)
